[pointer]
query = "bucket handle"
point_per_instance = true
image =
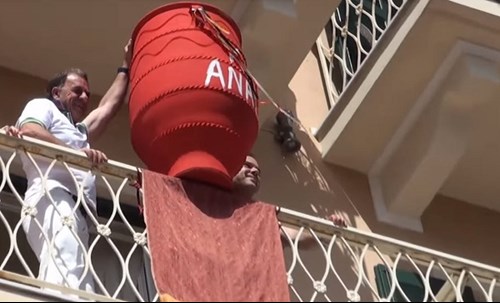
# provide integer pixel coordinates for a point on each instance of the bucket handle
(202, 18)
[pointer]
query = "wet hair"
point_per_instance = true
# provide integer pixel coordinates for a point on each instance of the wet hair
(59, 79)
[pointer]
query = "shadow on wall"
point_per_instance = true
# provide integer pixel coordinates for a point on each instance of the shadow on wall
(299, 181)
(16, 89)
(303, 182)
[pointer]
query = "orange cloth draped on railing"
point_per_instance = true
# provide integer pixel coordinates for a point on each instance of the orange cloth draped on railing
(206, 246)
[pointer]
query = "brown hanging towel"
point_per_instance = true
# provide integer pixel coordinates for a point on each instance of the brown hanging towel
(207, 246)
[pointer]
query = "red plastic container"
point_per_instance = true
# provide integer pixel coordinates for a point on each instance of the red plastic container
(193, 109)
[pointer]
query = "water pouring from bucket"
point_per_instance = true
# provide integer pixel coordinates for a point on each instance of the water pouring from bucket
(193, 106)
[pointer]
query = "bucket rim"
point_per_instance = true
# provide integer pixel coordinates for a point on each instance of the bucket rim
(209, 7)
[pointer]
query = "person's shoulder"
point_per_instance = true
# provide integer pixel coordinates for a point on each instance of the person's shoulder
(42, 102)
(38, 110)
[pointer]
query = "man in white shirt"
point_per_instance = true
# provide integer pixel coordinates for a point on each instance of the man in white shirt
(53, 223)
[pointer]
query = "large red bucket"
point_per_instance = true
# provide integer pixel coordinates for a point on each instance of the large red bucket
(193, 108)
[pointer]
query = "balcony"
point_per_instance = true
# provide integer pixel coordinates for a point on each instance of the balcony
(324, 262)
(412, 88)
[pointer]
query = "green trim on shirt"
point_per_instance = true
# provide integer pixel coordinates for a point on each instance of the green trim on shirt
(32, 120)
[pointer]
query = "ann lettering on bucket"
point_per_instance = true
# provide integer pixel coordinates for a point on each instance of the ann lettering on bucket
(236, 82)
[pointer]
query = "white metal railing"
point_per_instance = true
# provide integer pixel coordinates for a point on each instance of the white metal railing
(348, 39)
(343, 264)
(360, 266)
(117, 254)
